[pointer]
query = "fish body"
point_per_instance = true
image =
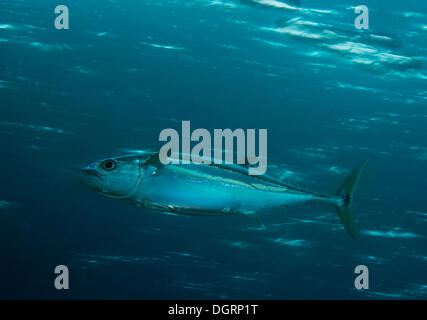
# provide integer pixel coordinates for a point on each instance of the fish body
(216, 188)
(201, 189)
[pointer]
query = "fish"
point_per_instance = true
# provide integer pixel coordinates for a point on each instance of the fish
(5, 204)
(272, 3)
(207, 189)
(288, 5)
(327, 32)
(371, 51)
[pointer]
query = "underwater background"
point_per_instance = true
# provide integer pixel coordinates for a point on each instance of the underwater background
(330, 95)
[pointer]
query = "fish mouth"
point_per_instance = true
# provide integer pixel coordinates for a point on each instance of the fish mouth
(93, 172)
(91, 178)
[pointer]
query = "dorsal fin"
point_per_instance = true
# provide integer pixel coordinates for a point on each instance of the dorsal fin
(154, 161)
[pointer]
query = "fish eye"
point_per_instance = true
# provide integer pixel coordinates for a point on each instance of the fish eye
(108, 165)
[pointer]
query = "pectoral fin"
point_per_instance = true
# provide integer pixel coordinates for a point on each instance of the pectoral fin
(256, 219)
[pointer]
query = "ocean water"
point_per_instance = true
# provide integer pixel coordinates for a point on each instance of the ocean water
(330, 95)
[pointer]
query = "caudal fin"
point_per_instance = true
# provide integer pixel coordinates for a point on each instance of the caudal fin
(346, 193)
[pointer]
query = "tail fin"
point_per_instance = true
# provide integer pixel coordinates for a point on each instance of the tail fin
(346, 192)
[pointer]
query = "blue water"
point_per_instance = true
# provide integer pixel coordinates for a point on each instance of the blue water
(125, 70)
